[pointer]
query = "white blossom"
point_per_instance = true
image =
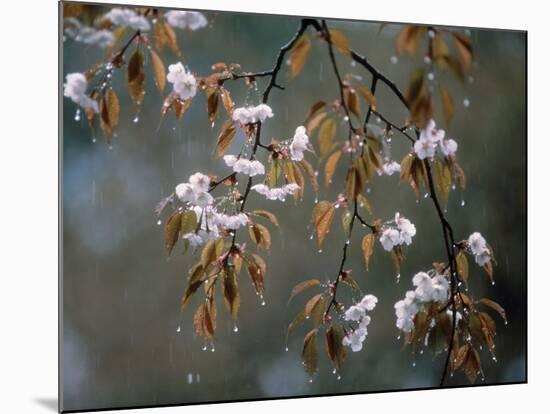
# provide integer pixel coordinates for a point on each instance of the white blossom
(299, 144)
(200, 182)
(75, 89)
(183, 81)
(244, 166)
(478, 247)
(88, 35)
(390, 168)
(358, 313)
(252, 114)
(231, 222)
(448, 147)
(424, 286)
(389, 238)
(440, 288)
(431, 133)
(369, 302)
(128, 18)
(185, 19)
(424, 149)
(185, 192)
(407, 230)
(276, 193)
(203, 199)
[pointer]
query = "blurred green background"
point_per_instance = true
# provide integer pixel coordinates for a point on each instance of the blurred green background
(121, 295)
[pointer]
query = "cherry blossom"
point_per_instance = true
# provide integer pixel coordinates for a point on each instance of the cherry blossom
(185, 19)
(244, 166)
(231, 222)
(402, 233)
(478, 247)
(75, 89)
(185, 84)
(389, 239)
(430, 139)
(276, 193)
(406, 228)
(127, 18)
(252, 114)
(358, 313)
(390, 168)
(299, 144)
(195, 191)
(86, 34)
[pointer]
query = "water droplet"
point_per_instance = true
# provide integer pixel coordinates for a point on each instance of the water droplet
(431, 76)
(339, 377)
(307, 317)
(136, 119)
(466, 102)
(178, 330)
(286, 349)
(316, 173)
(453, 187)
(310, 380)
(427, 60)
(159, 222)
(493, 283)
(213, 349)
(110, 147)
(394, 59)
(368, 190)
(452, 374)
(204, 348)
(263, 303)
(505, 322)
(422, 351)
(347, 242)
(235, 328)
(414, 364)
(462, 203)
(77, 115)
(426, 195)
(398, 278)
(334, 371)
(320, 251)
(94, 140)
(495, 359)
(470, 79)
(398, 337)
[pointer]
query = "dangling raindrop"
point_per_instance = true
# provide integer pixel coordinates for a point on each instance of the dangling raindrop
(414, 364)
(339, 377)
(77, 115)
(493, 283)
(431, 76)
(466, 102)
(394, 59)
(136, 119)
(204, 348)
(453, 187)
(462, 203)
(334, 371)
(94, 140)
(320, 251)
(178, 330)
(235, 328)
(311, 380)
(212, 349)
(286, 348)
(397, 279)
(347, 242)
(495, 359)
(263, 303)
(159, 222)
(426, 195)
(110, 147)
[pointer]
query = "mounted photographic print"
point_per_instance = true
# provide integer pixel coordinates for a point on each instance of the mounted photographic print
(264, 206)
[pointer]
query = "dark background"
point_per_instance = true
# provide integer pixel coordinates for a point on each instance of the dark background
(121, 296)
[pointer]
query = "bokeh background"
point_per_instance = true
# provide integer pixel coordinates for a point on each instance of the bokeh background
(121, 296)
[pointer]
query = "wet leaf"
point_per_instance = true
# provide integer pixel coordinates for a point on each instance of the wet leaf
(109, 109)
(340, 42)
(440, 48)
(297, 321)
(226, 137)
(136, 77)
(208, 253)
(172, 231)
(195, 282)
(231, 294)
(260, 235)
(354, 105)
(309, 352)
(472, 364)
(227, 101)
(212, 105)
(159, 70)
(298, 55)
(461, 356)
(315, 122)
(488, 267)
(367, 246)
(302, 286)
(462, 267)
(311, 175)
(407, 39)
(464, 47)
(367, 94)
(256, 269)
(327, 132)
(333, 345)
(315, 309)
(323, 214)
(448, 105)
(315, 108)
(267, 215)
(495, 306)
(442, 179)
(330, 167)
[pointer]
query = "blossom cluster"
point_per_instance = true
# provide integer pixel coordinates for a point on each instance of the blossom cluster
(299, 144)
(75, 89)
(86, 34)
(390, 168)
(252, 114)
(279, 193)
(478, 247)
(401, 231)
(211, 222)
(358, 313)
(185, 84)
(127, 18)
(430, 139)
(428, 289)
(186, 19)
(244, 166)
